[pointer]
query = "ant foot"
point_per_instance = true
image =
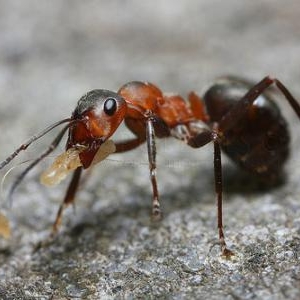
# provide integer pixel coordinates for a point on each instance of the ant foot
(227, 253)
(43, 244)
(156, 215)
(54, 230)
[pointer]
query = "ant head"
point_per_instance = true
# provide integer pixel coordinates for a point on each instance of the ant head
(96, 117)
(99, 114)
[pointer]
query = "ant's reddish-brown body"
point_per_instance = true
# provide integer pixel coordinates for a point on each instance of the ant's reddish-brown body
(236, 116)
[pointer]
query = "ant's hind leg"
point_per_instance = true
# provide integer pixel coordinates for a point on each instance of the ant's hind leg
(69, 198)
(219, 192)
(198, 141)
(242, 107)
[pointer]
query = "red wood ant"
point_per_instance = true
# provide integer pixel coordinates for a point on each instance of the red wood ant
(236, 117)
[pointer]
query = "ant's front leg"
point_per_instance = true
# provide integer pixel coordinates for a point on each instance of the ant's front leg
(145, 129)
(69, 199)
(151, 147)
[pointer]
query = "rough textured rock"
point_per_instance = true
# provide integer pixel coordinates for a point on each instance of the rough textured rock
(53, 52)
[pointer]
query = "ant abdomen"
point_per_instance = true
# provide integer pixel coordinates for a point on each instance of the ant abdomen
(259, 142)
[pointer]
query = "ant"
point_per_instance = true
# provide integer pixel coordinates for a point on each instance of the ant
(237, 117)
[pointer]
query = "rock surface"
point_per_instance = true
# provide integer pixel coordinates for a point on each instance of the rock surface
(52, 52)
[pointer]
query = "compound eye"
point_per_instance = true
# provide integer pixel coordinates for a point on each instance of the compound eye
(110, 106)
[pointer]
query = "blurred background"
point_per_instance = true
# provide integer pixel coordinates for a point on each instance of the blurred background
(52, 52)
